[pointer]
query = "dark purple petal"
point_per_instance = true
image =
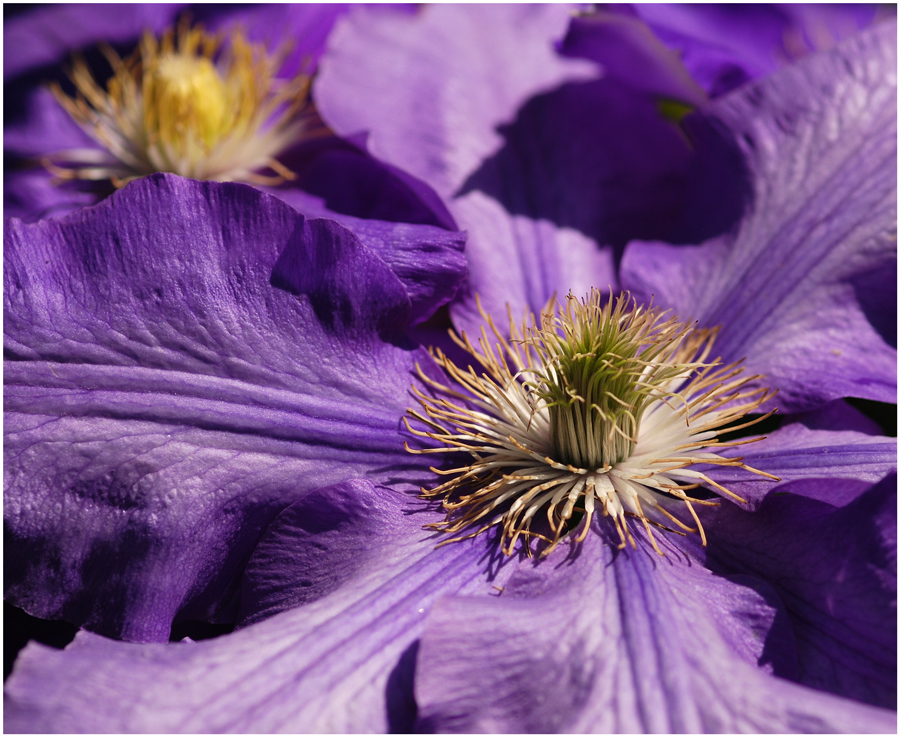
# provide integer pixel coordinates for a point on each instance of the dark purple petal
(164, 401)
(360, 573)
(29, 192)
(611, 641)
(725, 45)
(585, 165)
(835, 570)
(629, 53)
(350, 181)
(47, 35)
(305, 26)
(792, 287)
(429, 261)
(45, 128)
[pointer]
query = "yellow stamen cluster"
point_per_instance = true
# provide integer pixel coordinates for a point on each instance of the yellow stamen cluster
(190, 104)
(598, 405)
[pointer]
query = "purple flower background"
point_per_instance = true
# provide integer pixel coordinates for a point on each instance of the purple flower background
(205, 385)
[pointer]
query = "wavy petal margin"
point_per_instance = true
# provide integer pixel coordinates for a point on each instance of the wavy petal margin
(164, 401)
(804, 288)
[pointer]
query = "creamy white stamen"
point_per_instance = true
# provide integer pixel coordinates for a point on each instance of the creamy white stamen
(191, 105)
(599, 405)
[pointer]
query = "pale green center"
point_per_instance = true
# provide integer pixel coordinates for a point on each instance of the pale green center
(602, 366)
(595, 411)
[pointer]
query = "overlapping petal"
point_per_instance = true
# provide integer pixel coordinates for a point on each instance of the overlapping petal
(629, 51)
(345, 582)
(444, 73)
(194, 371)
(836, 442)
(428, 260)
(356, 572)
(541, 166)
(164, 401)
(798, 286)
(835, 569)
(607, 641)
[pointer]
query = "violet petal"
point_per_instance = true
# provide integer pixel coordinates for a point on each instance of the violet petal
(815, 445)
(427, 259)
(164, 401)
(629, 52)
(334, 663)
(46, 35)
(835, 570)
(791, 287)
(615, 642)
(724, 46)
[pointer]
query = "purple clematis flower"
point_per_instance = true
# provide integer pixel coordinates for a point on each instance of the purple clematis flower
(246, 394)
(88, 148)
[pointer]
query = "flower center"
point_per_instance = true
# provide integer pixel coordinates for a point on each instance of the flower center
(601, 405)
(188, 98)
(189, 103)
(601, 366)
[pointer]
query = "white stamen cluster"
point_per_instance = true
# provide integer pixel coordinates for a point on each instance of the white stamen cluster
(598, 406)
(190, 105)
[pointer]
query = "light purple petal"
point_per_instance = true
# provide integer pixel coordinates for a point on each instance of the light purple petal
(835, 570)
(360, 571)
(616, 642)
(793, 286)
(164, 401)
(430, 89)
(817, 445)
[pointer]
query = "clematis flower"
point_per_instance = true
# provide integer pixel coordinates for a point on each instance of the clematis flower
(189, 105)
(223, 99)
(350, 618)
